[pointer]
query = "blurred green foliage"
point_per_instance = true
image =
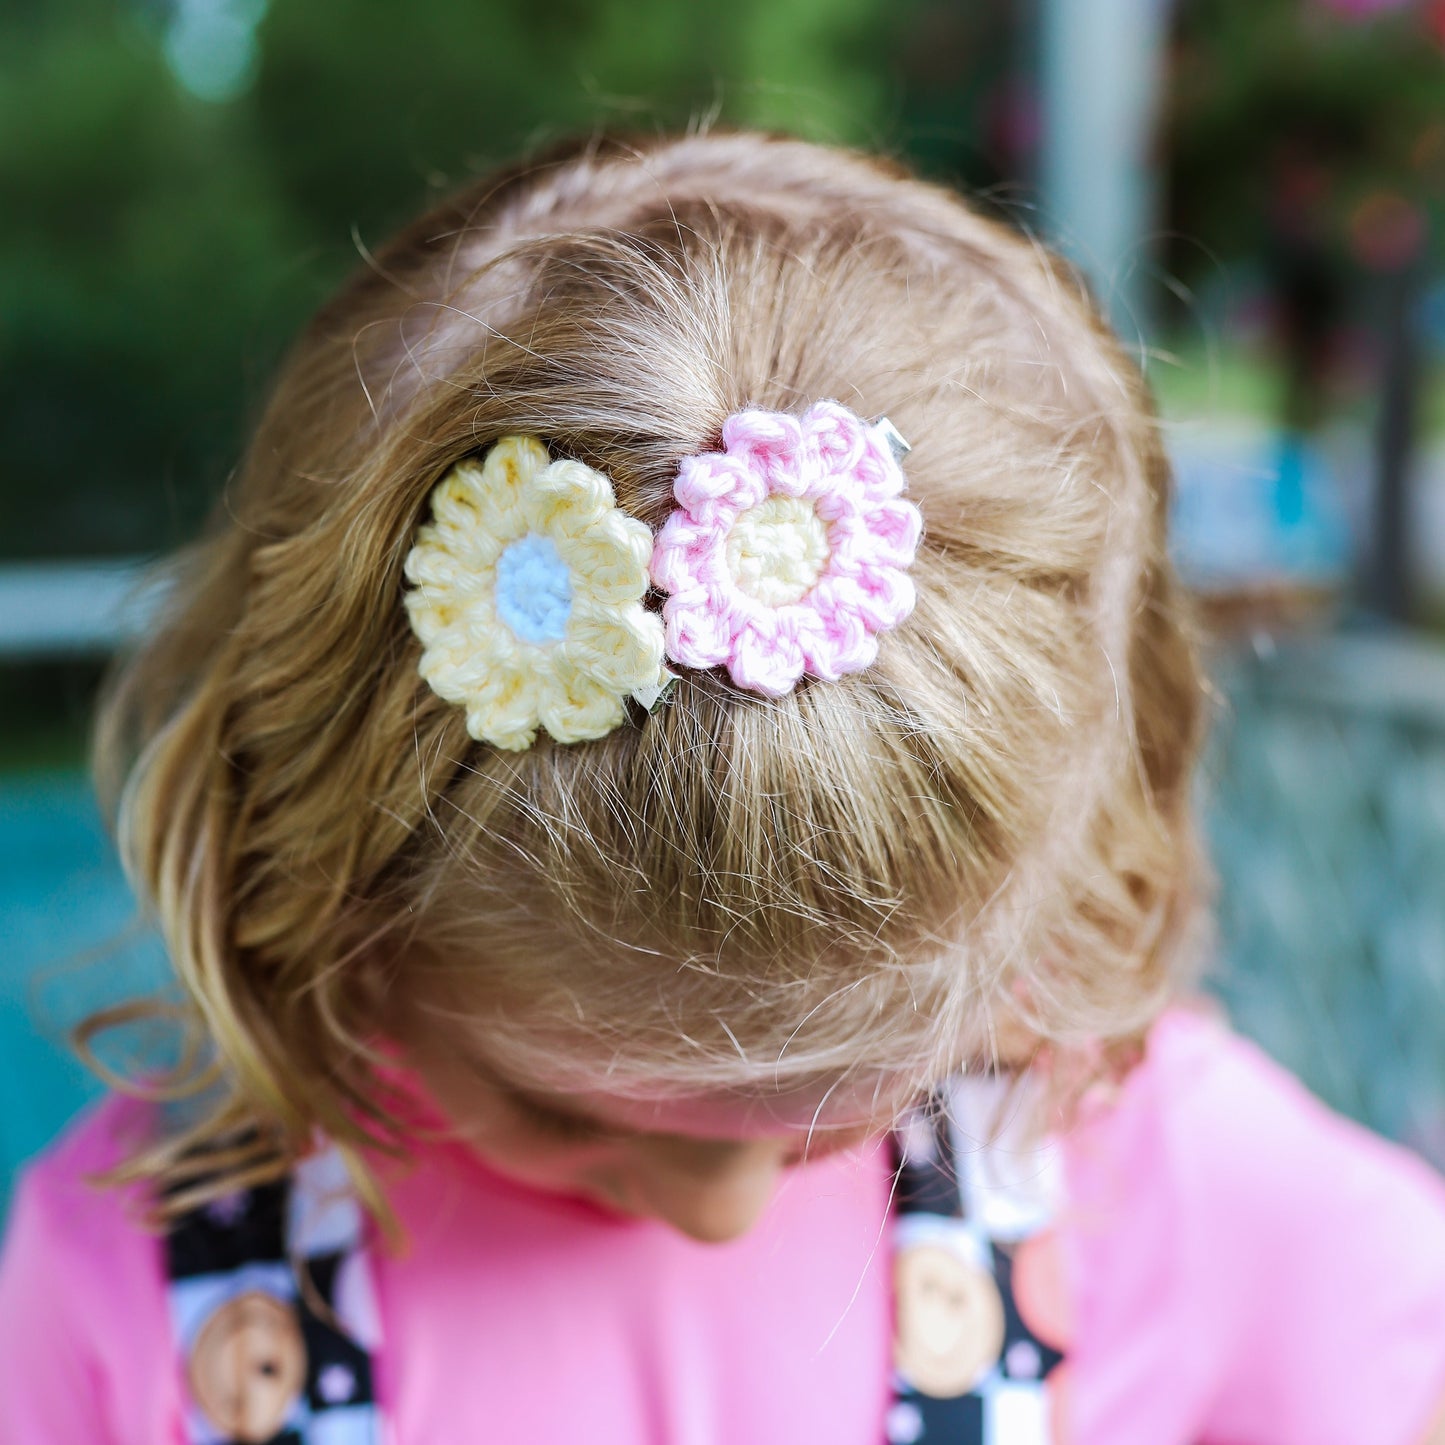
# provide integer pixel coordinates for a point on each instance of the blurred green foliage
(157, 249)
(1316, 126)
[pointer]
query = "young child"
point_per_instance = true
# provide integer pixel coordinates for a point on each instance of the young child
(690, 899)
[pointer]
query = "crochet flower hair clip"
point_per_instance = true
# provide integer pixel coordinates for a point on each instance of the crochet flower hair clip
(787, 554)
(789, 549)
(527, 598)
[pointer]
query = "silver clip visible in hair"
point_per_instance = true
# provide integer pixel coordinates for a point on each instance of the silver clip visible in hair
(892, 437)
(654, 696)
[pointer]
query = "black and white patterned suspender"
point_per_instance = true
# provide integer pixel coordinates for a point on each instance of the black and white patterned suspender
(272, 1308)
(979, 1373)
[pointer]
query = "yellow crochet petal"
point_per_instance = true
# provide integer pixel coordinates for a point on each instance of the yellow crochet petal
(567, 497)
(441, 605)
(502, 697)
(455, 553)
(486, 727)
(464, 510)
(578, 707)
(609, 561)
(449, 562)
(513, 463)
(457, 669)
(621, 648)
(481, 505)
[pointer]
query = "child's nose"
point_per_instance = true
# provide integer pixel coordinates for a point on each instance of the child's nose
(710, 1192)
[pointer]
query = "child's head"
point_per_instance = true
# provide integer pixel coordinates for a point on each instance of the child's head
(859, 883)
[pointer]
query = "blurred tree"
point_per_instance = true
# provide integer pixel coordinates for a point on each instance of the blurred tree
(145, 266)
(1311, 134)
(971, 106)
(1307, 125)
(424, 101)
(160, 247)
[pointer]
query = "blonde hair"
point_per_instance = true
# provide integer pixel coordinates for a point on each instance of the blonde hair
(989, 827)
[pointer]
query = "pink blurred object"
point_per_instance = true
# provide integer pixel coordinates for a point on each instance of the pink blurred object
(1387, 231)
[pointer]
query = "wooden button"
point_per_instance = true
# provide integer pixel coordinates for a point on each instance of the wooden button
(248, 1366)
(950, 1326)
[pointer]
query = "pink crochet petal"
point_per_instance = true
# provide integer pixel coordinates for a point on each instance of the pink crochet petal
(699, 631)
(884, 598)
(700, 481)
(762, 433)
(804, 623)
(814, 473)
(671, 570)
(771, 446)
(844, 644)
(860, 651)
(836, 434)
(902, 524)
(877, 470)
(701, 565)
(793, 476)
(892, 535)
(749, 487)
(833, 502)
(712, 569)
(766, 660)
(713, 485)
(675, 555)
(849, 542)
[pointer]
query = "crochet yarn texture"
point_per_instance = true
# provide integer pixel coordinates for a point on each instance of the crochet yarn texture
(527, 589)
(788, 549)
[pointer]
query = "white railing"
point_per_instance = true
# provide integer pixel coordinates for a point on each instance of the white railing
(69, 609)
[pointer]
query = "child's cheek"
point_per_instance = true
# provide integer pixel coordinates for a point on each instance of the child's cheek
(557, 1166)
(1041, 1291)
(1042, 1297)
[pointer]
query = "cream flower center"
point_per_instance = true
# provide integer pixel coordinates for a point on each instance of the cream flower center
(777, 550)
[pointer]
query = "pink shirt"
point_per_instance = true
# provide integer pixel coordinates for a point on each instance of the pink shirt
(1243, 1268)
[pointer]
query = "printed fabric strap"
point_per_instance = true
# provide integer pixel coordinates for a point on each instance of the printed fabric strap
(967, 1368)
(272, 1308)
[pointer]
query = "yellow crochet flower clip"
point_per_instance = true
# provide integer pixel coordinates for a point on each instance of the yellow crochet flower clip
(527, 589)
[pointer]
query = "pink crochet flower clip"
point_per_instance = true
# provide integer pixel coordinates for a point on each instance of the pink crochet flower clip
(789, 549)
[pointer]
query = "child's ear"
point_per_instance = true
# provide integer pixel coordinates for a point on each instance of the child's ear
(1016, 1044)
(375, 994)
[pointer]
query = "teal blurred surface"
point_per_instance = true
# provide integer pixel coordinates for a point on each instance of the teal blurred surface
(63, 902)
(1325, 798)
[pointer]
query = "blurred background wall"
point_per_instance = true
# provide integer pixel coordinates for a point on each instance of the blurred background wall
(1254, 186)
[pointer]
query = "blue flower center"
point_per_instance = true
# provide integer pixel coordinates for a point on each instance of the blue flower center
(534, 589)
